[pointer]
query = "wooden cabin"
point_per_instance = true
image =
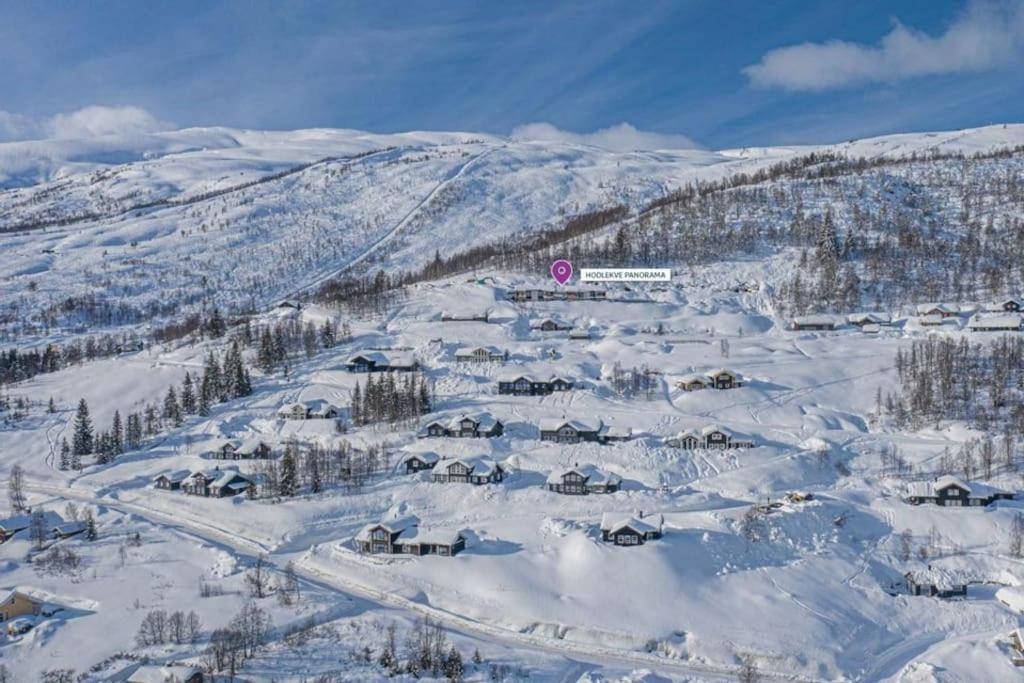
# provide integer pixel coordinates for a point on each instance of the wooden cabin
(581, 480)
(16, 604)
(951, 491)
(476, 426)
(627, 530)
(417, 462)
(527, 385)
(561, 430)
(477, 470)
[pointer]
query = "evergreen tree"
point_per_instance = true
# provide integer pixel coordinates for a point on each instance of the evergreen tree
(152, 420)
(188, 395)
(288, 485)
(81, 442)
(65, 454)
(172, 410)
(90, 525)
(116, 435)
(357, 405)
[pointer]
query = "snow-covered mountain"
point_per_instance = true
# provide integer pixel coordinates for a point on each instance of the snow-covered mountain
(161, 223)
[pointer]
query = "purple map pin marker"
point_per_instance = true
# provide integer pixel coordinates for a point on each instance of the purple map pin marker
(561, 270)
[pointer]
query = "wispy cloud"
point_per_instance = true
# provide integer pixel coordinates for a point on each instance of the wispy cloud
(620, 138)
(986, 36)
(88, 122)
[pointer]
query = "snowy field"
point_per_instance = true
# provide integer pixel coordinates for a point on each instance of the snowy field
(536, 585)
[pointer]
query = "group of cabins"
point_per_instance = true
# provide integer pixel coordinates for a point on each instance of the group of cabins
(995, 316)
(529, 294)
(712, 437)
(239, 449)
(378, 361)
(316, 409)
(720, 378)
(483, 425)
(477, 470)
(211, 483)
(949, 491)
(406, 537)
(515, 384)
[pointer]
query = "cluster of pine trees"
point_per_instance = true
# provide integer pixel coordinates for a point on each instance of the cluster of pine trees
(942, 378)
(223, 379)
(17, 365)
(275, 345)
(391, 399)
(312, 468)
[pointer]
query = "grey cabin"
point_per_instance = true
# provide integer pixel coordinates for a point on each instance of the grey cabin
(620, 529)
(953, 492)
(405, 537)
(581, 480)
(512, 384)
(477, 470)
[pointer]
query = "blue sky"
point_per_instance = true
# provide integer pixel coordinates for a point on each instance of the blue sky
(722, 74)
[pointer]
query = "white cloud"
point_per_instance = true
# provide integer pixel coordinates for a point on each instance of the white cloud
(986, 36)
(620, 138)
(87, 122)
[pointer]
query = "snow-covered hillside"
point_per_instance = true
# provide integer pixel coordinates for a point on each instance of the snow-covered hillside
(152, 227)
(782, 559)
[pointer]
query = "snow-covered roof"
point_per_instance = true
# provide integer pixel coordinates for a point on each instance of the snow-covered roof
(686, 433)
(430, 536)
(227, 477)
(213, 474)
(425, 456)
(869, 318)
(157, 673)
(613, 521)
(176, 476)
(930, 488)
(932, 319)
(10, 594)
(68, 528)
(593, 474)
(814, 320)
(515, 375)
(996, 322)
(722, 371)
(694, 378)
(19, 522)
(553, 424)
(1000, 304)
(715, 428)
(537, 323)
(948, 308)
(478, 465)
(393, 526)
(249, 446)
(381, 358)
(483, 420)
